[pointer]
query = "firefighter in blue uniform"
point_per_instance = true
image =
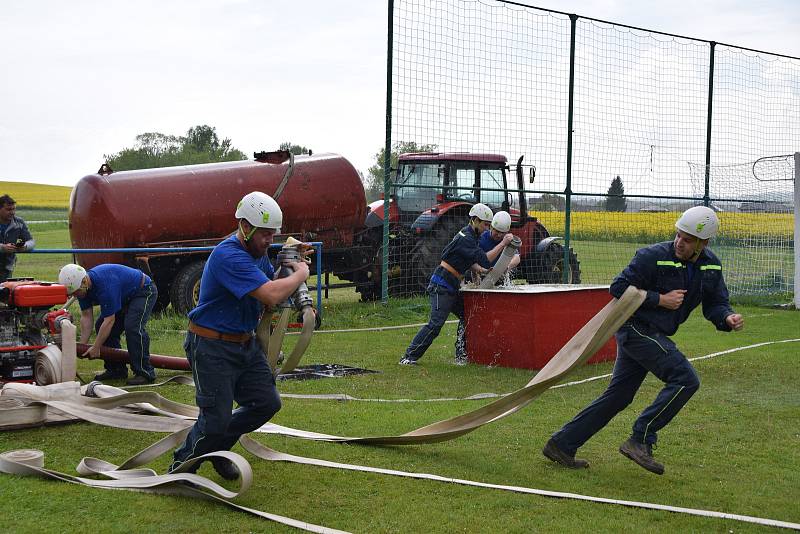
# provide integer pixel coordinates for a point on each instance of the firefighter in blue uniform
(491, 238)
(678, 276)
(228, 362)
(459, 256)
(126, 297)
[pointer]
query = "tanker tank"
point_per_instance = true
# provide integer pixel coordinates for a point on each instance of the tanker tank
(323, 200)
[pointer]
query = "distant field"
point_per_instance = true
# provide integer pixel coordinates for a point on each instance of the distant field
(37, 195)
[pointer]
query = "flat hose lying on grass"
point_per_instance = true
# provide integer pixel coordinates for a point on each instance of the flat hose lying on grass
(128, 476)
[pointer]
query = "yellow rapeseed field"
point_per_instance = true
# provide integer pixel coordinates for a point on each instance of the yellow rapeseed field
(37, 195)
(654, 226)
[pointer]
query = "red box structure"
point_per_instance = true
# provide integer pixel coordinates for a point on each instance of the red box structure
(525, 326)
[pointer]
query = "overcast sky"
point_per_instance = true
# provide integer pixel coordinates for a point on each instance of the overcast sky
(82, 78)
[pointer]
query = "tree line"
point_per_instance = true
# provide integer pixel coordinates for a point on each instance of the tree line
(202, 144)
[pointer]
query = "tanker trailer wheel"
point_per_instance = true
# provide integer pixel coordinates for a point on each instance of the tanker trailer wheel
(549, 268)
(185, 290)
(427, 251)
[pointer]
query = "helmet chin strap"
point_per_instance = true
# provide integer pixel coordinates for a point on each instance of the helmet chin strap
(245, 235)
(698, 248)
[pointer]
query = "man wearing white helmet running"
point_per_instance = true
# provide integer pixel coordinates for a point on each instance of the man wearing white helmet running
(458, 257)
(228, 362)
(678, 276)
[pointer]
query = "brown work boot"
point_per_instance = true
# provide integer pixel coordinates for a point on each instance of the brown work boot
(642, 454)
(553, 452)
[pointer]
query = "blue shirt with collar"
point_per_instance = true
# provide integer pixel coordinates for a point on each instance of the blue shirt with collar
(112, 287)
(228, 276)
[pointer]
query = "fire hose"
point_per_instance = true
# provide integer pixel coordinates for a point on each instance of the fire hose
(579, 349)
(179, 418)
(501, 266)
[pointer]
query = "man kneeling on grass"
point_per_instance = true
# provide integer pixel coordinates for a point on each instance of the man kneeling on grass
(678, 275)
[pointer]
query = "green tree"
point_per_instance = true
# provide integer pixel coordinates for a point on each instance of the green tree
(549, 202)
(373, 183)
(201, 144)
(294, 149)
(615, 201)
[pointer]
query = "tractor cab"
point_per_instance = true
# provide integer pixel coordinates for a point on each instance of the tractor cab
(430, 199)
(428, 185)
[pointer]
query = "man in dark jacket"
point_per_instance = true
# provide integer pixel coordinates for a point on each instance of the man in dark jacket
(14, 236)
(458, 257)
(678, 276)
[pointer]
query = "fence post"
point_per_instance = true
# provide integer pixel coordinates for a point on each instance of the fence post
(709, 117)
(570, 112)
(796, 231)
(387, 159)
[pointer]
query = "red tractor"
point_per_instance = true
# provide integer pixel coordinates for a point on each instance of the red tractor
(430, 199)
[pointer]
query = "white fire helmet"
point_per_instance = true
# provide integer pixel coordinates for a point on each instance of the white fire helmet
(501, 221)
(260, 210)
(71, 276)
(699, 221)
(481, 211)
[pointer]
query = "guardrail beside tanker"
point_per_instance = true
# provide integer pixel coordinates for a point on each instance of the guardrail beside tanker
(178, 250)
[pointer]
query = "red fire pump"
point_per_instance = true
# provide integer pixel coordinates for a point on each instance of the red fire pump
(28, 325)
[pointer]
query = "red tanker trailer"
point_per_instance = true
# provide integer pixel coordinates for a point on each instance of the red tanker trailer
(322, 198)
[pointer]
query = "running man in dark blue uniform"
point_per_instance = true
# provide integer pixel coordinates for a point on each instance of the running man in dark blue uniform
(458, 257)
(678, 276)
(228, 362)
(126, 297)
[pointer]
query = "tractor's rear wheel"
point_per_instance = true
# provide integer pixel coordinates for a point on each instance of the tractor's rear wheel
(427, 251)
(548, 267)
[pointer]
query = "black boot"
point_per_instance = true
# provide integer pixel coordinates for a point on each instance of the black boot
(111, 375)
(642, 454)
(225, 468)
(553, 452)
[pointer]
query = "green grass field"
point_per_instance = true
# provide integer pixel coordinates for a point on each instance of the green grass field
(732, 449)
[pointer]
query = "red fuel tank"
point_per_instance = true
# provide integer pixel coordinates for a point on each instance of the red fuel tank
(323, 200)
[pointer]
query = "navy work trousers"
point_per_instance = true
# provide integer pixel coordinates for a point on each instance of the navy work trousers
(225, 372)
(638, 352)
(132, 319)
(442, 305)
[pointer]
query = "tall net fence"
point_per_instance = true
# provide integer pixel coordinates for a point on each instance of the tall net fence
(625, 127)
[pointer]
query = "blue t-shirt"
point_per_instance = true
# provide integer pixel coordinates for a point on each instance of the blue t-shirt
(112, 287)
(229, 275)
(487, 243)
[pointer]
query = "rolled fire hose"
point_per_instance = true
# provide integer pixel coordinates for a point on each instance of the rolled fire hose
(500, 268)
(54, 364)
